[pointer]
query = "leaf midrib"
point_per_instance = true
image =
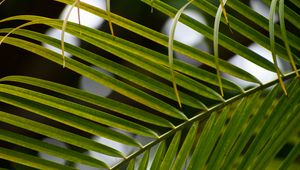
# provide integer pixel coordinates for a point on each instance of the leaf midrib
(202, 116)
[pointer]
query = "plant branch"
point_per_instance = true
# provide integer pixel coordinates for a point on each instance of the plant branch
(202, 116)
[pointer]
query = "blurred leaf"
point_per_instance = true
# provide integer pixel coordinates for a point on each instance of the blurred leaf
(144, 161)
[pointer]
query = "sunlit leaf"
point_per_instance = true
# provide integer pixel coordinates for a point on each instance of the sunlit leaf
(30, 160)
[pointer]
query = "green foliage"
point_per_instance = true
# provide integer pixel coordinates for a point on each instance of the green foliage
(245, 130)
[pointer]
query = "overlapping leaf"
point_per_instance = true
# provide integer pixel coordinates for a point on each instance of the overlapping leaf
(228, 135)
(245, 131)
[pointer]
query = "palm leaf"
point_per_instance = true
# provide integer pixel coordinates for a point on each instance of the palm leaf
(245, 130)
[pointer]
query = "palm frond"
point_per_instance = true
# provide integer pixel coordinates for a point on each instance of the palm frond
(244, 130)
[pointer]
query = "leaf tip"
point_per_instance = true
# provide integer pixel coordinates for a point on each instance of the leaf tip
(109, 17)
(170, 47)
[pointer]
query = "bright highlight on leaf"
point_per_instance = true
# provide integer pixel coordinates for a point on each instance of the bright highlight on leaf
(272, 43)
(2, 2)
(21, 26)
(170, 48)
(216, 40)
(63, 30)
(284, 36)
(109, 17)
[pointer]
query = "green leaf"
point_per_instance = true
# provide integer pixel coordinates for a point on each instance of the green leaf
(278, 140)
(100, 78)
(251, 33)
(207, 140)
(266, 131)
(29, 160)
(186, 147)
(261, 21)
(284, 35)
(77, 109)
(143, 58)
(93, 99)
(159, 155)
(234, 136)
(150, 60)
(292, 16)
(295, 2)
(237, 120)
(131, 165)
(163, 40)
(216, 40)
(109, 17)
(68, 119)
(170, 48)
(120, 70)
(171, 152)
(272, 43)
(291, 157)
(44, 147)
(144, 161)
(224, 40)
(289, 124)
(249, 132)
(64, 26)
(58, 134)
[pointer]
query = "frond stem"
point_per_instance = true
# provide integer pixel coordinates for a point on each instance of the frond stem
(202, 116)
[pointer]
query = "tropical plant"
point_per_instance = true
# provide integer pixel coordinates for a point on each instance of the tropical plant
(244, 129)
